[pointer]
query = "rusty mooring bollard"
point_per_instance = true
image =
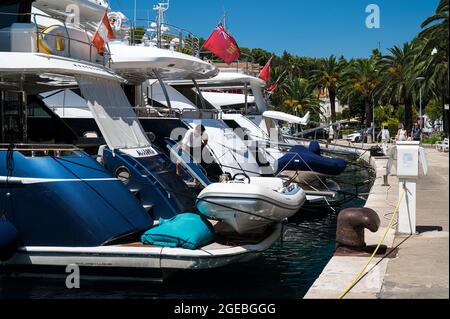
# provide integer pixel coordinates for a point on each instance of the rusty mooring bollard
(351, 224)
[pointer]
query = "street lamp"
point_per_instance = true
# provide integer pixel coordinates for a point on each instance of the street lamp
(420, 79)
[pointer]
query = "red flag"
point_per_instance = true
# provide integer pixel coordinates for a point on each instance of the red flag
(222, 44)
(271, 89)
(103, 34)
(265, 72)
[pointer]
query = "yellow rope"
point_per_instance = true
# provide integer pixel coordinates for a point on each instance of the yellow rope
(358, 277)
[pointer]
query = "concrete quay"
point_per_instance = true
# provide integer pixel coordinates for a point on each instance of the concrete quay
(419, 265)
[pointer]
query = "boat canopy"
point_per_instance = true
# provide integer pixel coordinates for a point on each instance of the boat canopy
(225, 79)
(230, 80)
(177, 100)
(280, 116)
(89, 10)
(140, 63)
(219, 100)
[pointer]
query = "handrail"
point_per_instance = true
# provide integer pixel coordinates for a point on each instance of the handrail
(249, 65)
(38, 147)
(186, 37)
(81, 27)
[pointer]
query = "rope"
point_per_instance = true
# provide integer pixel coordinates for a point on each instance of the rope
(360, 274)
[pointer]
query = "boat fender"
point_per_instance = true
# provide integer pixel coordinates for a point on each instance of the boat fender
(116, 20)
(351, 224)
(314, 147)
(8, 239)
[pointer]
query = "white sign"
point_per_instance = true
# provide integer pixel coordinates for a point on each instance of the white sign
(140, 152)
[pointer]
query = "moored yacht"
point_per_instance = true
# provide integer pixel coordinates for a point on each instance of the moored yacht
(66, 208)
(258, 129)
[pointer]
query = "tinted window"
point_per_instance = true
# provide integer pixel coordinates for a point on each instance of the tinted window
(10, 9)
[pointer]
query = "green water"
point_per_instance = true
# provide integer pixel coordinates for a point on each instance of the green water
(287, 270)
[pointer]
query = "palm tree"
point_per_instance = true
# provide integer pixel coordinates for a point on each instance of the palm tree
(278, 74)
(361, 78)
(398, 79)
(433, 55)
(328, 77)
(299, 97)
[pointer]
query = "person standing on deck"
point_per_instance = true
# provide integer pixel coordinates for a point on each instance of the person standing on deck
(194, 141)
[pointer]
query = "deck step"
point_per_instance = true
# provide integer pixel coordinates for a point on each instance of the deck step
(148, 208)
(135, 191)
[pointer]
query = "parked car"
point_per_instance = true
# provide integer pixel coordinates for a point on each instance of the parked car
(355, 137)
(362, 134)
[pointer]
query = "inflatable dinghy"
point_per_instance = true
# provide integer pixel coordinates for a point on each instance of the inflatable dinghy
(250, 206)
(299, 158)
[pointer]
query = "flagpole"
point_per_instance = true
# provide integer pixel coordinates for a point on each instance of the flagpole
(135, 9)
(225, 21)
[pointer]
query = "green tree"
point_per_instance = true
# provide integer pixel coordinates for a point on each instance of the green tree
(328, 77)
(398, 79)
(433, 110)
(299, 97)
(433, 56)
(136, 34)
(361, 78)
(383, 113)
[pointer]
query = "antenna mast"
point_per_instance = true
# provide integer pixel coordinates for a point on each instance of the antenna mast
(161, 9)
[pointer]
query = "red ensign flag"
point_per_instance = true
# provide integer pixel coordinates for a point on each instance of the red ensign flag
(103, 33)
(222, 44)
(265, 72)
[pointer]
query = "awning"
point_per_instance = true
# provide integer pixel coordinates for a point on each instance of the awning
(274, 115)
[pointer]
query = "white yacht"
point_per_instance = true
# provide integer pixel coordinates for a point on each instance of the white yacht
(257, 130)
(98, 229)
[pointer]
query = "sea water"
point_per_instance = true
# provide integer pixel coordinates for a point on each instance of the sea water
(285, 271)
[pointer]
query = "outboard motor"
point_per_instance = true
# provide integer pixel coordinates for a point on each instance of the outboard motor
(8, 239)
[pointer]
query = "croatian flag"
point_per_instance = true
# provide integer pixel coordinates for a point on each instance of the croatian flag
(103, 34)
(222, 44)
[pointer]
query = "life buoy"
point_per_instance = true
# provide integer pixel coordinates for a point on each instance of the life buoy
(116, 19)
(53, 40)
(8, 239)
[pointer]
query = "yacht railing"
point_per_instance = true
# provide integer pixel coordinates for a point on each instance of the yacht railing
(147, 112)
(163, 36)
(39, 31)
(40, 150)
(38, 147)
(246, 63)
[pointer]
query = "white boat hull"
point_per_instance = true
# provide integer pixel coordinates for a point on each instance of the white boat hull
(142, 257)
(249, 208)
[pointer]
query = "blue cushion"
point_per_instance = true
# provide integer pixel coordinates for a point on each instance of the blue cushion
(189, 231)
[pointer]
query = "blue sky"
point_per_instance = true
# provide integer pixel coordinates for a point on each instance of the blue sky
(302, 27)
